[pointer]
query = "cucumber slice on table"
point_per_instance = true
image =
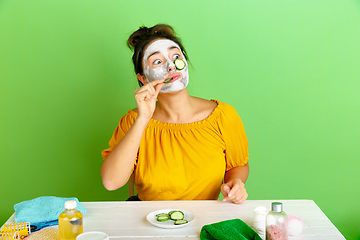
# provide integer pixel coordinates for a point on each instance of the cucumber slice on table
(179, 222)
(176, 215)
(179, 64)
(162, 218)
(162, 214)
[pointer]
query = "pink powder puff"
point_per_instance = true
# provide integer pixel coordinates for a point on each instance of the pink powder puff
(295, 225)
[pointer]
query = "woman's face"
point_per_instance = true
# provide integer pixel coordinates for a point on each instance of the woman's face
(158, 64)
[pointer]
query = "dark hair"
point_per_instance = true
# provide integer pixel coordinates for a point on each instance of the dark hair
(139, 40)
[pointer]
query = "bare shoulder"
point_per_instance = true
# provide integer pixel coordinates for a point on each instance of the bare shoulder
(204, 104)
(204, 107)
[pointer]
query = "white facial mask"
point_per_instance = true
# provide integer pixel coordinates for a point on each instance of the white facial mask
(162, 71)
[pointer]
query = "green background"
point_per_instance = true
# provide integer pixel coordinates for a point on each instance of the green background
(290, 68)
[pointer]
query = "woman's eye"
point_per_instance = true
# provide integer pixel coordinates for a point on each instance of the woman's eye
(176, 56)
(156, 62)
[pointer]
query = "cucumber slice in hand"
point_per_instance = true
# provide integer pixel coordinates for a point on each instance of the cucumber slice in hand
(166, 81)
(179, 64)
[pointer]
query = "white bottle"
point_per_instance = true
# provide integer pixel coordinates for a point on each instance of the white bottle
(259, 220)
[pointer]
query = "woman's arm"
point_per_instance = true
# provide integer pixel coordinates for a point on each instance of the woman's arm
(234, 187)
(117, 166)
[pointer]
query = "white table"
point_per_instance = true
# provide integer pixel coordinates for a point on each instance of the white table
(127, 220)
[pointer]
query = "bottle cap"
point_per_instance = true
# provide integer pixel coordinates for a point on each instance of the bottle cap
(70, 204)
(276, 207)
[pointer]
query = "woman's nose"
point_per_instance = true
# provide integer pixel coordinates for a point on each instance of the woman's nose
(171, 68)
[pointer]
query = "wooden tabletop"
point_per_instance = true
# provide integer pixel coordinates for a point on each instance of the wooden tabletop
(127, 220)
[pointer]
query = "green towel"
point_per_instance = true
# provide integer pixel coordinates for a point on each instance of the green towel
(228, 230)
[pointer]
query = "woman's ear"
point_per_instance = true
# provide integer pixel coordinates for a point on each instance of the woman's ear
(142, 78)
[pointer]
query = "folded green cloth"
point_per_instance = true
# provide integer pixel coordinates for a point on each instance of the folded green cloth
(228, 230)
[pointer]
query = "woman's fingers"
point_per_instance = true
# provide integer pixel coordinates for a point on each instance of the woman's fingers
(158, 88)
(157, 85)
(239, 197)
(234, 189)
(154, 83)
(146, 96)
(149, 90)
(225, 190)
(143, 95)
(145, 88)
(237, 193)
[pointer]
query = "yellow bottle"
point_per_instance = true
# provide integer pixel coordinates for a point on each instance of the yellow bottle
(70, 222)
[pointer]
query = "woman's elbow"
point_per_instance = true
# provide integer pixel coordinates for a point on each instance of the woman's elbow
(110, 185)
(111, 180)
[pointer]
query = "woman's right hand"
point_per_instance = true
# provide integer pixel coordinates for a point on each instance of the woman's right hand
(145, 98)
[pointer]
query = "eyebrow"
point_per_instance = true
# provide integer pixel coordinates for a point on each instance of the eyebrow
(172, 47)
(153, 54)
(169, 48)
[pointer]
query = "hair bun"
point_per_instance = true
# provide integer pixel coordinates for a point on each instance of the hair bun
(139, 35)
(163, 29)
(144, 33)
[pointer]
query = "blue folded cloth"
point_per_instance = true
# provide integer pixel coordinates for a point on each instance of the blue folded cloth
(43, 209)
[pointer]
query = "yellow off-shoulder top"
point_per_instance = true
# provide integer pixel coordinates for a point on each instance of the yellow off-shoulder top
(186, 161)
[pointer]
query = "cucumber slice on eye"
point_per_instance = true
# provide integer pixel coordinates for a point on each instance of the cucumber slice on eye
(179, 64)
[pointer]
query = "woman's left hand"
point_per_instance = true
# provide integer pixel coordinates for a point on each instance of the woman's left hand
(234, 191)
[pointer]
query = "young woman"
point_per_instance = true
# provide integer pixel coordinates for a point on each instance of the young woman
(179, 147)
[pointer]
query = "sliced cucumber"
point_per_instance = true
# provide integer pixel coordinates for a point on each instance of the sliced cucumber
(179, 222)
(162, 218)
(166, 81)
(176, 215)
(162, 214)
(179, 64)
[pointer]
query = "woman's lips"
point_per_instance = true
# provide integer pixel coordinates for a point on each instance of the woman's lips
(172, 78)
